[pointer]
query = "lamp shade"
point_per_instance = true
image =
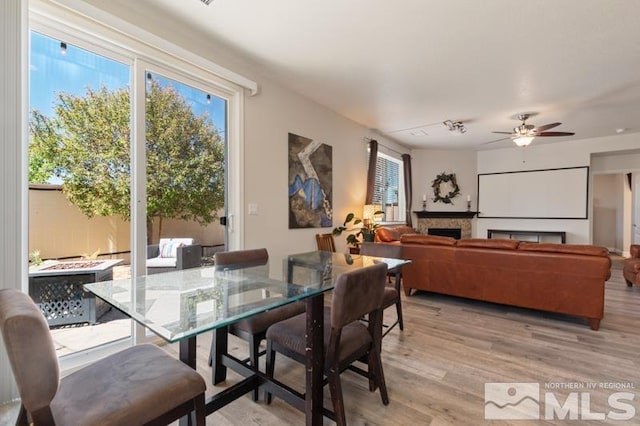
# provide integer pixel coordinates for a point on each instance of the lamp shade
(369, 210)
(523, 140)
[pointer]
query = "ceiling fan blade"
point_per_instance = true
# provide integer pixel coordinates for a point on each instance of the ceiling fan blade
(497, 140)
(554, 134)
(546, 127)
(503, 133)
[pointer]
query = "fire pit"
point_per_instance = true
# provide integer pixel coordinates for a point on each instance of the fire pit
(57, 290)
(73, 265)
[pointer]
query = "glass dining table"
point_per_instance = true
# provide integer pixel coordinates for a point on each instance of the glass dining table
(178, 306)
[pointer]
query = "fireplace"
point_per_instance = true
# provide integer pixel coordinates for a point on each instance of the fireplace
(445, 221)
(446, 232)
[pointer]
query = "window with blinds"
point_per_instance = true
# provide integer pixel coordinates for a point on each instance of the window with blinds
(389, 188)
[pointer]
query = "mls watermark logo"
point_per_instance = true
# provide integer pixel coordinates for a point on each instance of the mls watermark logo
(522, 401)
(512, 401)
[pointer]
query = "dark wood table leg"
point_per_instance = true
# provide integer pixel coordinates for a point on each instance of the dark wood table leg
(219, 346)
(188, 351)
(314, 359)
(399, 304)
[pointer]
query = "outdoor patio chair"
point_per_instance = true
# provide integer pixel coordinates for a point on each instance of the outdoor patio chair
(139, 385)
(172, 254)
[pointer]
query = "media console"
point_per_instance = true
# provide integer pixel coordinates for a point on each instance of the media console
(540, 236)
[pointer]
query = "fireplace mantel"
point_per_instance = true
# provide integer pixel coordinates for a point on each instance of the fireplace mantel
(424, 214)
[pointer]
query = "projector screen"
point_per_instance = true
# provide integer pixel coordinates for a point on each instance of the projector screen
(534, 194)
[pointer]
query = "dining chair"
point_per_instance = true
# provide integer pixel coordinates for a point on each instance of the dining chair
(139, 385)
(391, 292)
(325, 242)
(252, 329)
(357, 293)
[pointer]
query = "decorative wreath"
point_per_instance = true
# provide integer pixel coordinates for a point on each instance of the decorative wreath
(437, 183)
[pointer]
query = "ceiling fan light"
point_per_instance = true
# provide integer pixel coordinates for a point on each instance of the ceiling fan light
(523, 140)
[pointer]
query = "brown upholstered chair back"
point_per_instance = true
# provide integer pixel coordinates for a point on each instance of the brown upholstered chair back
(393, 251)
(31, 351)
(325, 242)
(358, 293)
(241, 258)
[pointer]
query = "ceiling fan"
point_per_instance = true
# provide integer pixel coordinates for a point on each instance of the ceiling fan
(524, 134)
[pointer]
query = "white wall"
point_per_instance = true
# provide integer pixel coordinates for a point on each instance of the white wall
(607, 195)
(616, 162)
(269, 118)
(546, 156)
(621, 162)
(427, 164)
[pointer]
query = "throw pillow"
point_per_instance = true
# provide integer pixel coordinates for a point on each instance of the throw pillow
(169, 249)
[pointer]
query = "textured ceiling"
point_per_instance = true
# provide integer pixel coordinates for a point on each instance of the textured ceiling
(403, 67)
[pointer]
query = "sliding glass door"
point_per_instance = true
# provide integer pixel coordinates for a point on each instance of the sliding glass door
(79, 188)
(185, 134)
(107, 129)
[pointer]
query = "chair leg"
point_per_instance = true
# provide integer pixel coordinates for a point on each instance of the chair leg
(375, 369)
(399, 312)
(200, 410)
(335, 388)
(271, 361)
(254, 353)
(22, 419)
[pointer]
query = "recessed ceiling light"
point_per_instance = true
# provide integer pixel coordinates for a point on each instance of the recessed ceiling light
(621, 130)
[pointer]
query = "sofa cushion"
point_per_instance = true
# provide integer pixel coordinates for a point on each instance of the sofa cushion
(427, 240)
(169, 246)
(162, 262)
(564, 248)
(492, 243)
(387, 234)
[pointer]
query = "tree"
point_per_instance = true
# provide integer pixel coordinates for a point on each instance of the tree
(87, 146)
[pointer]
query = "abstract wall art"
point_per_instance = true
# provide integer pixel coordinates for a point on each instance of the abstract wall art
(310, 183)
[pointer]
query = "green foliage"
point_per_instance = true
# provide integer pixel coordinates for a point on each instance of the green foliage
(34, 258)
(87, 146)
(365, 232)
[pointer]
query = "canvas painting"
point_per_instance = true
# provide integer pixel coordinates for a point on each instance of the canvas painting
(310, 183)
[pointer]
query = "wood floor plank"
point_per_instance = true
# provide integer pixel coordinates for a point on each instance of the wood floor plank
(436, 369)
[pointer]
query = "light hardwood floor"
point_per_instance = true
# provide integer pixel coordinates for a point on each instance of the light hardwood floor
(436, 369)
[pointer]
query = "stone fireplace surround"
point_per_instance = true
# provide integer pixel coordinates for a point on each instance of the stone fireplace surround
(445, 219)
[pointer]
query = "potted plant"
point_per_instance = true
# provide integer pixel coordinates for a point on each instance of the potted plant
(366, 230)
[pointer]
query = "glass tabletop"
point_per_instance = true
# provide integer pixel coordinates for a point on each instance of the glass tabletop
(180, 304)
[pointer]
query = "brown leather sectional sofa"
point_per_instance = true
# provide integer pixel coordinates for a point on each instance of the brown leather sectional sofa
(631, 266)
(561, 278)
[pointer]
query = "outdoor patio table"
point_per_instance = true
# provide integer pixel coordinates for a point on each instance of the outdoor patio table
(179, 305)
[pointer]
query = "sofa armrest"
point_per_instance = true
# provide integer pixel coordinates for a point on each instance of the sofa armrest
(189, 256)
(153, 250)
(635, 251)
